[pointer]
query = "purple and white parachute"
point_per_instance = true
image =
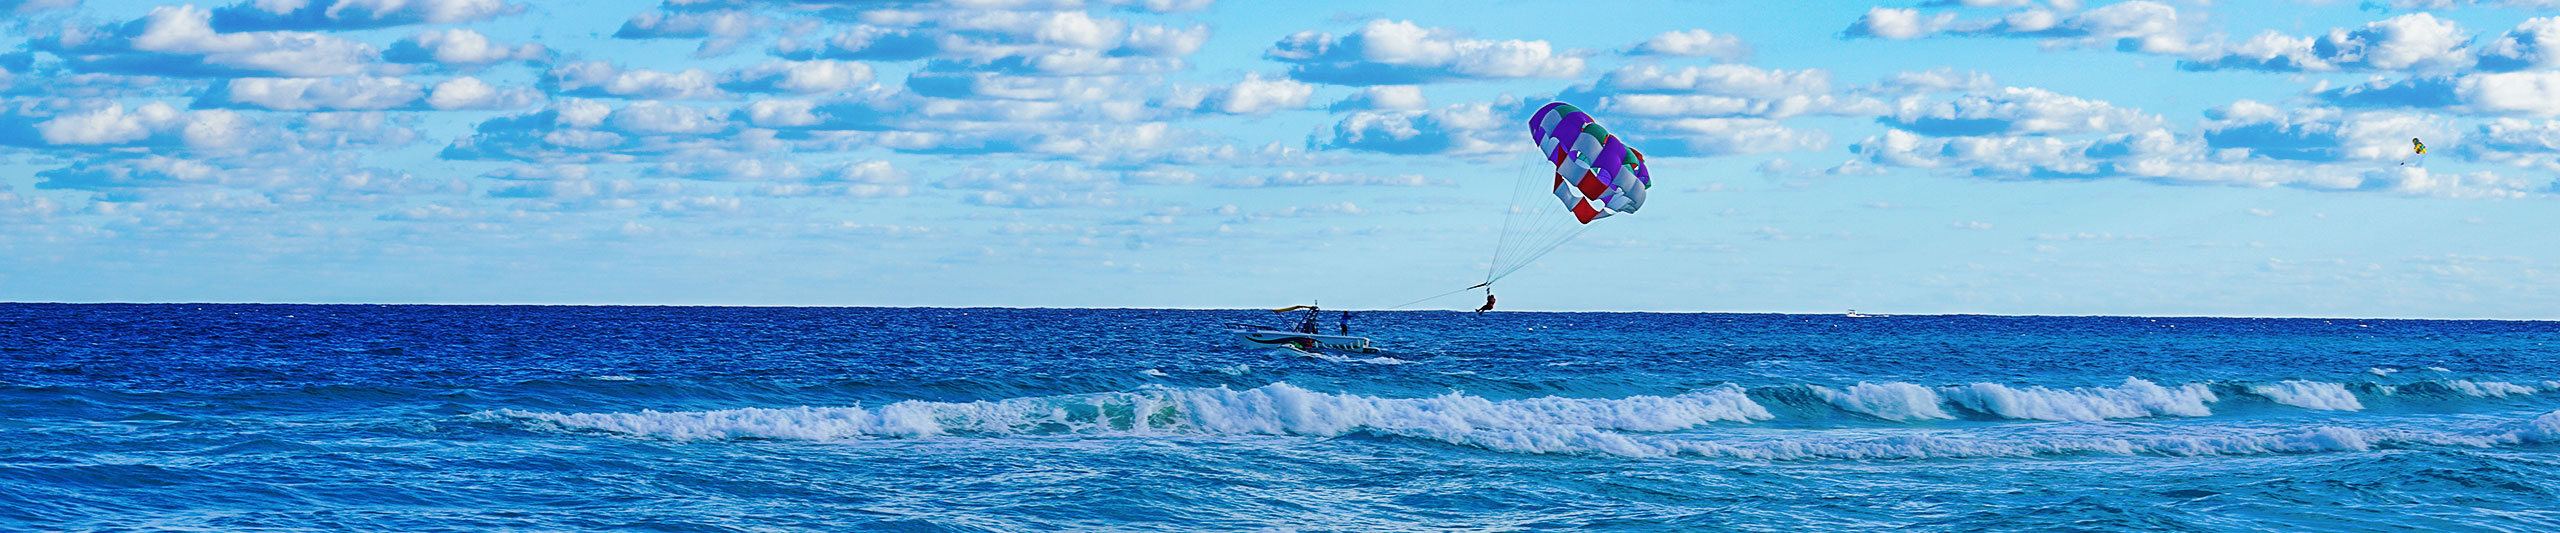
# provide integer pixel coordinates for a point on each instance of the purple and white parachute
(1596, 174)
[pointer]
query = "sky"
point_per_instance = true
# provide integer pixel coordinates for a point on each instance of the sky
(2055, 157)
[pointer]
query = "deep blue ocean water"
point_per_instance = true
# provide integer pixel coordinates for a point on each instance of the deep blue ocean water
(463, 418)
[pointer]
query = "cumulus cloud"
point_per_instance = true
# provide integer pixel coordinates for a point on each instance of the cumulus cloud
(2528, 46)
(1694, 43)
(1324, 178)
(1937, 80)
(355, 14)
(2016, 111)
(1715, 80)
(2529, 93)
(2415, 41)
(181, 41)
(692, 24)
(106, 124)
(577, 130)
(801, 77)
(1383, 98)
(295, 181)
(459, 48)
(309, 94)
(734, 169)
(602, 79)
(722, 31)
(2138, 25)
(1475, 128)
(984, 36)
(1730, 136)
(470, 93)
(1898, 24)
(2317, 134)
(2526, 144)
(1384, 52)
(1256, 95)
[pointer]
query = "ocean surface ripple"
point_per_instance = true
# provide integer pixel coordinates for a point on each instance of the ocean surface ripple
(474, 418)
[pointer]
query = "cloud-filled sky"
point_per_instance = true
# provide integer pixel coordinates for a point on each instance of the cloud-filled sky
(2143, 157)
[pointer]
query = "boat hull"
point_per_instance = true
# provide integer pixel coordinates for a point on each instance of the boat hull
(1268, 338)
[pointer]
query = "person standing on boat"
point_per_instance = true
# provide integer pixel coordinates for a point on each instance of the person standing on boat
(1344, 327)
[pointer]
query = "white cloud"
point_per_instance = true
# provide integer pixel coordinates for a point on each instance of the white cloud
(307, 94)
(1937, 80)
(727, 23)
(1695, 43)
(664, 118)
(2527, 46)
(1163, 41)
(776, 113)
(1721, 80)
(598, 78)
(1326, 178)
(1458, 129)
(2415, 41)
(470, 93)
(2519, 143)
(109, 123)
(353, 14)
(1898, 24)
(2535, 94)
(1384, 52)
(1728, 136)
(734, 169)
(1256, 95)
(186, 33)
(2138, 25)
(1384, 98)
(105, 125)
(2015, 110)
(459, 47)
(801, 77)
(2316, 134)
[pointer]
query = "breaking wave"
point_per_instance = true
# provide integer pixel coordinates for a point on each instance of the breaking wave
(1700, 423)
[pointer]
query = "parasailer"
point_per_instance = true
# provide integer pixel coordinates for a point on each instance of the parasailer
(1594, 174)
(2417, 155)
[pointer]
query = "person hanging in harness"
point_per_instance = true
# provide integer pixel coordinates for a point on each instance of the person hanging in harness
(1488, 303)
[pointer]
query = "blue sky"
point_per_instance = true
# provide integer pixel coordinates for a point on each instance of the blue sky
(1970, 156)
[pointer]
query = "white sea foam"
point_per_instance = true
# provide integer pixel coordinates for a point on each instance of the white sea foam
(1889, 401)
(2136, 398)
(1642, 426)
(1152, 373)
(1550, 424)
(1931, 446)
(2310, 395)
(2488, 389)
(2379, 371)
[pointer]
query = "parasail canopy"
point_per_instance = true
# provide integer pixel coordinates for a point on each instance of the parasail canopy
(1596, 175)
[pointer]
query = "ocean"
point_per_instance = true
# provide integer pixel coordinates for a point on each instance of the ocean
(478, 418)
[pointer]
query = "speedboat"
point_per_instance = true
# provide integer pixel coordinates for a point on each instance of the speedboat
(1259, 336)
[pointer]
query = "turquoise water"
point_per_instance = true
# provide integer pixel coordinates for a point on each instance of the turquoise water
(420, 418)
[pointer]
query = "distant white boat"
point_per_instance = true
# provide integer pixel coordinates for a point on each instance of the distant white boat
(1853, 313)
